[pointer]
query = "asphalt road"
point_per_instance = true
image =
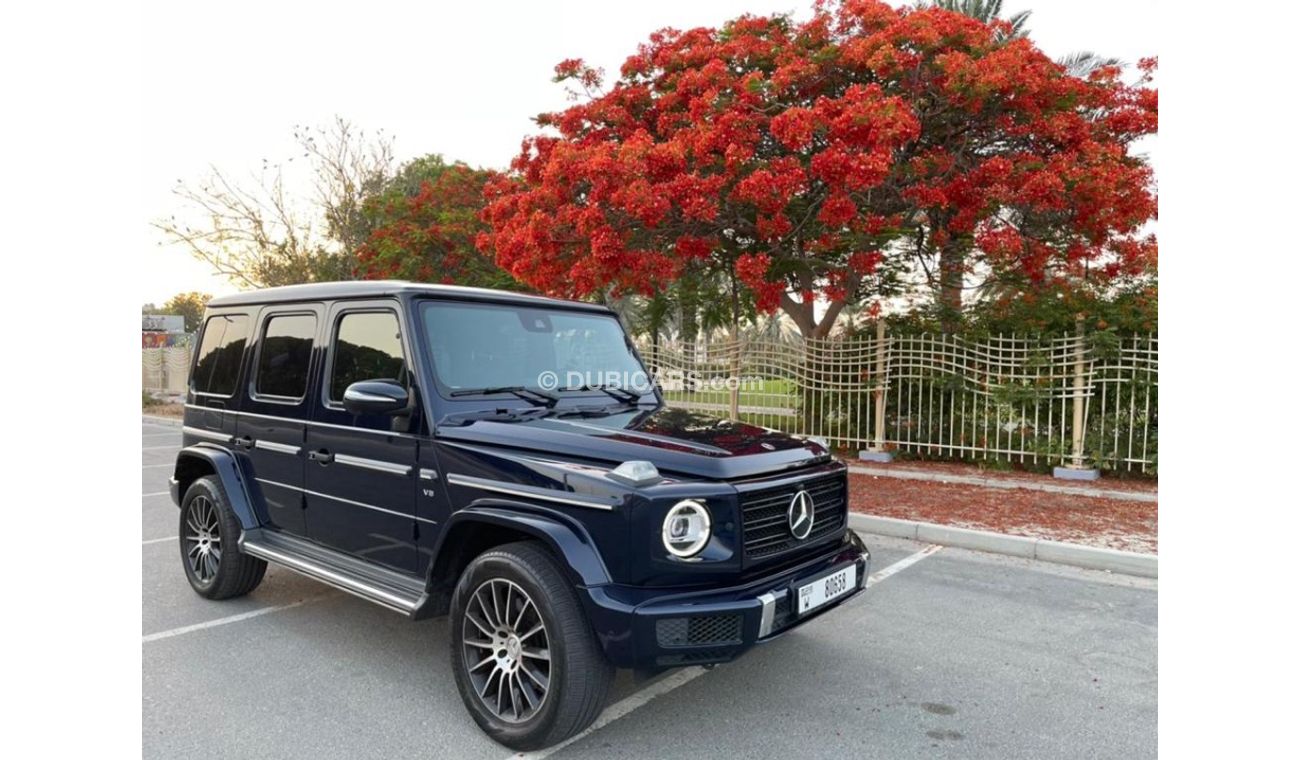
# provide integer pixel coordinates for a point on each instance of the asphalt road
(949, 654)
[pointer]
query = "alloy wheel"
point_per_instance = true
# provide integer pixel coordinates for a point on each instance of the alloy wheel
(203, 539)
(506, 650)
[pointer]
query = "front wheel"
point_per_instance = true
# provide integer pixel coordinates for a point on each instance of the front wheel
(526, 662)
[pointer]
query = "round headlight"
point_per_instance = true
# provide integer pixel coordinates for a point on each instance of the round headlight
(686, 528)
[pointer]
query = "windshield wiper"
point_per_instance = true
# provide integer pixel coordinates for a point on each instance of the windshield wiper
(534, 397)
(622, 394)
(495, 415)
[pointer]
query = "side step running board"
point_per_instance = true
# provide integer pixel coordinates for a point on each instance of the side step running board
(388, 588)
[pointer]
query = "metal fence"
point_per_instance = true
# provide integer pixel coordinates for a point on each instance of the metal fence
(1080, 400)
(166, 370)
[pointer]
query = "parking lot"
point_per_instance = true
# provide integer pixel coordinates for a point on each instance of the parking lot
(948, 653)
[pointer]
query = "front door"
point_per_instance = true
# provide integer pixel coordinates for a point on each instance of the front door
(273, 422)
(360, 481)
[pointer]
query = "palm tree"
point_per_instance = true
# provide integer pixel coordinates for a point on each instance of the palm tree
(986, 11)
(1078, 64)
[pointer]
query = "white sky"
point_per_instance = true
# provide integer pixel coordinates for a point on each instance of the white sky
(225, 83)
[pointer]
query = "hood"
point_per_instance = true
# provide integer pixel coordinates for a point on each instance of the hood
(677, 441)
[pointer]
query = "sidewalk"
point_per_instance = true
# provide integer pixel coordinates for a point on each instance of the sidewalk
(950, 472)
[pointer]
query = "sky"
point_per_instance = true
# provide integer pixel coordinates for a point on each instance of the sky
(226, 83)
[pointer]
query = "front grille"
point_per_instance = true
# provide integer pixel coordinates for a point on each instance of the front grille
(701, 630)
(765, 514)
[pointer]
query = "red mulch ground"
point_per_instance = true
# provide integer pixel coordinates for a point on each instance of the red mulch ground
(1112, 523)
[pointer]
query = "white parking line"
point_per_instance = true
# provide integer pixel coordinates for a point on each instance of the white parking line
(160, 448)
(622, 708)
(227, 620)
(158, 540)
(160, 435)
(901, 565)
(164, 464)
(686, 675)
(155, 493)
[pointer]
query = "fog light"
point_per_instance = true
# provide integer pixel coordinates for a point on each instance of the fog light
(686, 528)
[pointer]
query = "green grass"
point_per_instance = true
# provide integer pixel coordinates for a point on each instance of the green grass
(777, 394)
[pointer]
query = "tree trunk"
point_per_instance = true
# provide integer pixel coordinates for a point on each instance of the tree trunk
(804, 316)
(952, 269)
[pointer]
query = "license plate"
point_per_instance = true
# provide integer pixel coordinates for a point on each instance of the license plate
(827, 588)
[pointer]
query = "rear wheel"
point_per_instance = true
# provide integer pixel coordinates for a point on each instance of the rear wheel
(526, 662)
(209, 532)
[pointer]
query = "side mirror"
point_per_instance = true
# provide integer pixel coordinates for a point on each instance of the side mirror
(375, 397)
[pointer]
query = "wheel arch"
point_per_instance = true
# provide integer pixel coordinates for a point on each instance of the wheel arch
(474, 530)
(200, 460)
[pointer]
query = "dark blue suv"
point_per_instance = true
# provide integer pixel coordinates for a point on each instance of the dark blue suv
(504, 459)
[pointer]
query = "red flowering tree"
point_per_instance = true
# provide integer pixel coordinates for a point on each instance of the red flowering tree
(815, 160)
(424, 225)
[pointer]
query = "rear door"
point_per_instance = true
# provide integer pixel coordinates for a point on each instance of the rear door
(273, 423)
(214, 379)
(360, 476)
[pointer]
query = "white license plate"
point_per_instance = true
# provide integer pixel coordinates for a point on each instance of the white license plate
(826, 589)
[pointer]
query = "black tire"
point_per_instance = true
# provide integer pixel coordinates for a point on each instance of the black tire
(216, 569)
(577, 674)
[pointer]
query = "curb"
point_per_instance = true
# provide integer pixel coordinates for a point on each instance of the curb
(156, 420)
(974, 480)
(1059, 552)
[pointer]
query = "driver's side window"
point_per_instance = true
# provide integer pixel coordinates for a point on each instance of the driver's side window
(367, 346)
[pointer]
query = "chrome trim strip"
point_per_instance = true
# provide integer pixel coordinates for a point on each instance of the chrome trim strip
(303, 422)
(362, 396)
(282, 448)
(372, 464)
(208, 434)
(345, 501)
(427, 474)
(325, 575)
(768, 601)
(528, 492)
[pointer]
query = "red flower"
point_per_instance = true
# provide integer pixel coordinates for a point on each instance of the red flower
(829, 144)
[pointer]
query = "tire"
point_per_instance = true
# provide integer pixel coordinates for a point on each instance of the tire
(576, 676)
(209, 535)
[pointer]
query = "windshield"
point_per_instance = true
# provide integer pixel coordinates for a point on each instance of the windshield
(491, 347)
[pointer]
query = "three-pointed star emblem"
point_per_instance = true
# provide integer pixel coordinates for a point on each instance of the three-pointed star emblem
(801, 515)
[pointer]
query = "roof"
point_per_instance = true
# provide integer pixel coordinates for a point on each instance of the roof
(328, 291)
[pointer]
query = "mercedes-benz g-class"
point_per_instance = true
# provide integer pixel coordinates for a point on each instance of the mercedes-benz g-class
(506, 460)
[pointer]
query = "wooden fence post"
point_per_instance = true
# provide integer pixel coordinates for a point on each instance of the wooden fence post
(879, 384)
(733, 382)
(1076, 470)
(1078, 395)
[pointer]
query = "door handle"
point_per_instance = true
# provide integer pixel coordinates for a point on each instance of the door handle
(245, 442)
(322, 456)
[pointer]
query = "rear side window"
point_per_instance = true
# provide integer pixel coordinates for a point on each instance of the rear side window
(367, 346)
(285, 355)
(216, 370)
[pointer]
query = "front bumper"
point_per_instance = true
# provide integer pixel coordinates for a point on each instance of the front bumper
(669, 628)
